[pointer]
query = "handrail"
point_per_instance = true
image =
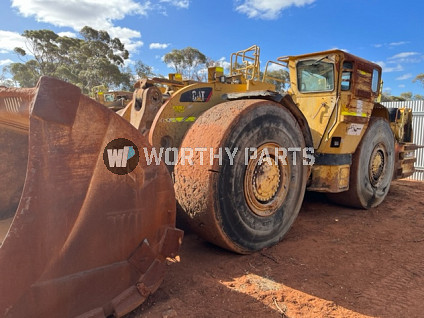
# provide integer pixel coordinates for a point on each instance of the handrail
(245, 67)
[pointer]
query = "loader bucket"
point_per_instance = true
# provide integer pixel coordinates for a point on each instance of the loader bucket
(78, 238)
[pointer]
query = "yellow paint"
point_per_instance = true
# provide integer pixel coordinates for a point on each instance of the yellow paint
(179, 108)
(363, 72)
(330, 178)
(354, 114)
(179, 119)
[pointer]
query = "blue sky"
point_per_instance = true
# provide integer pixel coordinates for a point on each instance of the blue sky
(388, 32)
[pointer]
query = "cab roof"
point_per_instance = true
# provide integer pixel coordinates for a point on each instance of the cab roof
(345, 56)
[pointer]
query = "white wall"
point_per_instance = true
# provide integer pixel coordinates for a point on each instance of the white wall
(418, 127)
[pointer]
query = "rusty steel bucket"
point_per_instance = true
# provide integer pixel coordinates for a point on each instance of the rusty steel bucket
(77, 239)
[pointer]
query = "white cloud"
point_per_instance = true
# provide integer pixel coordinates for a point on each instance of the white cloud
(127, 37)
(68, 34)
(404, 77)
(404, 55)
(398, 43)
(10, 40)
(275, 67)
(222, 62)
(401, 86)
(79, 13)
(336, 48)
(389, 69)
(178, 3)
(5, 62)
(268, 9)
(390, 45)
(159, 46)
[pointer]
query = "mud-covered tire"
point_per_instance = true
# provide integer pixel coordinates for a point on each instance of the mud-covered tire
(372, 168)
(243, 206)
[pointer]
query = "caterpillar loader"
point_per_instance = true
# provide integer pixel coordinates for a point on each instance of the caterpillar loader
(115, 100)
(89, 197)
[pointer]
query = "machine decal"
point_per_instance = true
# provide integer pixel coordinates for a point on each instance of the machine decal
(201, 95)
(354, 129)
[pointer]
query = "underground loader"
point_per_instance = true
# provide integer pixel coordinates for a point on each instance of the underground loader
(89, 197)
(326, 133)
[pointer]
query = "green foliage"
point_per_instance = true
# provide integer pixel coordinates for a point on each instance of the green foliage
(91, 60)
(386, 97)
(419, 78)
(188, 62)
(143, 70)
(4, 78)
(406, 95)
(280, 78)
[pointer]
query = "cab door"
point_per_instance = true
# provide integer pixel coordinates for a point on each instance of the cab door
(317, 92)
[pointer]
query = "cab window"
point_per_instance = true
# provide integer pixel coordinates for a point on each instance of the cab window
(347, 76)
(315, 76)
(375, 80)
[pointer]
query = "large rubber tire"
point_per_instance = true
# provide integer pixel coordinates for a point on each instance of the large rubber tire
(369, 184)
(220, 201)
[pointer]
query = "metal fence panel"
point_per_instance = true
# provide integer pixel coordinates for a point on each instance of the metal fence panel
(418, 126)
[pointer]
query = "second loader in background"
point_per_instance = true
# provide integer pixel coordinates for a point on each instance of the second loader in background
(114, 100)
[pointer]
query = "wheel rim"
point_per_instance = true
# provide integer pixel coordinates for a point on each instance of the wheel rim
(266, 181)
(377, 165)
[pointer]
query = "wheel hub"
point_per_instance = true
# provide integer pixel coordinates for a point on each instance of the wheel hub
(377, 165)
(266, 180)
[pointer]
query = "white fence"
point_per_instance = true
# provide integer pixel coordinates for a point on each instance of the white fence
(418, 126)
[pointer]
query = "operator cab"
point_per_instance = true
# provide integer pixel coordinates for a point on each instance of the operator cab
(334, 89)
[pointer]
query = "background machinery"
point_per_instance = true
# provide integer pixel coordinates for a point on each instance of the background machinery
(115, 100)
(79, 240)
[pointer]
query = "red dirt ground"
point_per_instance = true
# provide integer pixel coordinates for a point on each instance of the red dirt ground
(334, 262)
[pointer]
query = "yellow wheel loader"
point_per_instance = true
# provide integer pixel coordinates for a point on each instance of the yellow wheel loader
(88, 198)
(244, 154)
(114, 100)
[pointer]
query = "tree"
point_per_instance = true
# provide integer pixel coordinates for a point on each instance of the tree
(419, 78)
(94, 59)
(386, 97)
(188, 62)
(144, 70)
(406, 95)
(279, 78)
(4, 78)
